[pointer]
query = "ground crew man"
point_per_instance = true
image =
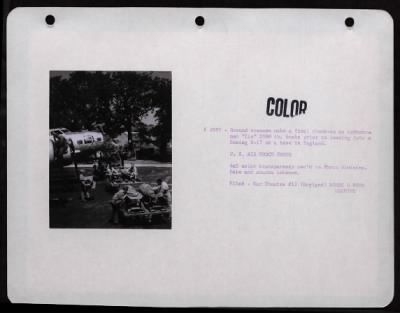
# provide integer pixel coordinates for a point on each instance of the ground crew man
(117, 202)
(87, 184)
(162, 191)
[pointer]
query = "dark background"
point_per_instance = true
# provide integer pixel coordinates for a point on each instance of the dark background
(392, 6)
(119, 101)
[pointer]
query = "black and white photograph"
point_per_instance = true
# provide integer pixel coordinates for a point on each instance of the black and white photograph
(110, 149)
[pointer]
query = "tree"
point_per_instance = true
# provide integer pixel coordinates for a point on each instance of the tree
(131, 100)
(116, 100)
(80, 100)
(162, 99)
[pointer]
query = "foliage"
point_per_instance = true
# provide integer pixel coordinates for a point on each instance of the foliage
(117, 100)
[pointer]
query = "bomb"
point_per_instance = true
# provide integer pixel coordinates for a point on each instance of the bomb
(284, 108)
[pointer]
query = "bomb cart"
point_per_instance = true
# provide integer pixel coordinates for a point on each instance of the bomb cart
(142, 206)
(133, 210)
(159, 207)
(117, 177)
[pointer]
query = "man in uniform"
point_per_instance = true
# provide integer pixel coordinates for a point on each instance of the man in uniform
(132, 172)
(87, 184)
(61, 146)
(162, 191)
(117, 202)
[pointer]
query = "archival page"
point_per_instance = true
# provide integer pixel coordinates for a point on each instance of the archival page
(277, 168)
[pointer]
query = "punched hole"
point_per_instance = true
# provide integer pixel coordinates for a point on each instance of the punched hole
(50, 20)
(199, 21)
(349, 22)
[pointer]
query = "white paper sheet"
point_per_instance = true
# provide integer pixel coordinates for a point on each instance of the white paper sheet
(310, 223)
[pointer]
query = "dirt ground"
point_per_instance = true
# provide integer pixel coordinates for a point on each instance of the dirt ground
(68, 211)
